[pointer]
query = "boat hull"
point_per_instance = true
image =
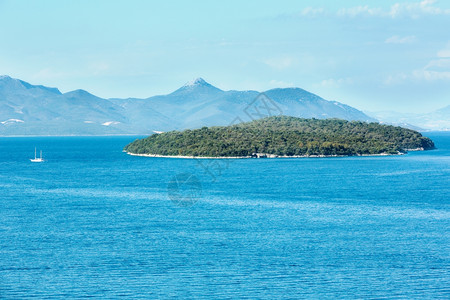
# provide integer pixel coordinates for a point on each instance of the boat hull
(37, 160)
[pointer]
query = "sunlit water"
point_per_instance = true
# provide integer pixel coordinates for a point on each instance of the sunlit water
(93, 221)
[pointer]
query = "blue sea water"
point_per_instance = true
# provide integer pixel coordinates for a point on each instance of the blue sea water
(93, 221)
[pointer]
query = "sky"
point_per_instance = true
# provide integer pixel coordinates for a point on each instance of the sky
(373, 55)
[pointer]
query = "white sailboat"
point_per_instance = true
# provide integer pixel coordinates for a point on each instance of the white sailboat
(37, 159)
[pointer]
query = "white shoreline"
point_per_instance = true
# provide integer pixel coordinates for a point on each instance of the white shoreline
(73, 135)
(246, 157)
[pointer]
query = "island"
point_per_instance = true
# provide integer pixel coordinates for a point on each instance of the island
(283, 136)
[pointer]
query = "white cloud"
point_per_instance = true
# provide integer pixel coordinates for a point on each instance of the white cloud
(408, 9)
(435, 70)
(444, 53)
(438, 64)
(394, 79)
(400, 40)
(422, 75)
(441, 64)
(431, 75)
(413, 10)
(281, 63)
(311, 11)
(335, 83)
(416, 9)
(359, 10)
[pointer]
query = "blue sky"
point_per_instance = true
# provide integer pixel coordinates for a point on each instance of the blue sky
(374, 55)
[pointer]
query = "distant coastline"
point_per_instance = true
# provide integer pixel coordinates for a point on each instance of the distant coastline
(74, 135)
(269, 156)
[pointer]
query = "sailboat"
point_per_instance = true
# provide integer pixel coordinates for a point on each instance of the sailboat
(37, 159)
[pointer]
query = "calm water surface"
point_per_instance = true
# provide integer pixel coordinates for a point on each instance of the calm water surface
(93, 221)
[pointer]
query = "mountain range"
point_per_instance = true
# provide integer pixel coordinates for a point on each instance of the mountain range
(438, 120)
(27, 109)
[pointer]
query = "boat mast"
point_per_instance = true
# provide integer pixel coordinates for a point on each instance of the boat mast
(34, 152)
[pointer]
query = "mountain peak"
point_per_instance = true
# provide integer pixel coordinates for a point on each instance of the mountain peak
(198, 85)
(79, 92)
(9, 79)
(196, 82)
(15, 83)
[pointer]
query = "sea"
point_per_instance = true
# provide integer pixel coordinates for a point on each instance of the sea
(92, 221)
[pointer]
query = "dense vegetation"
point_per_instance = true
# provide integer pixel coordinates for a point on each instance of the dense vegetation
(284, 136)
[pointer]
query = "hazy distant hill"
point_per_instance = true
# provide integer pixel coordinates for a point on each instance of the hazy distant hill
(438, 120)
(27, 109)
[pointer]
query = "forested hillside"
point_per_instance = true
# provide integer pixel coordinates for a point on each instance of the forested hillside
(284, 136)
